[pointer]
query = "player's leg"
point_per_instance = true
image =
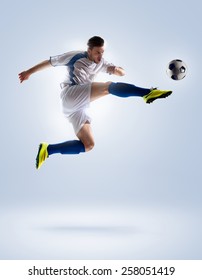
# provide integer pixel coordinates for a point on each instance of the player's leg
(119, 89)
(99, 90)
(68, 147)
(74, 101)
(126, 90)
(85, 135)
(84, 144)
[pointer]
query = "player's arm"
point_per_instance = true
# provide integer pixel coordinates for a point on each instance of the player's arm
(41, 66)
(118, 71)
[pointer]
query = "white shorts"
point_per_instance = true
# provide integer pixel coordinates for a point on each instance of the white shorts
(75, 101)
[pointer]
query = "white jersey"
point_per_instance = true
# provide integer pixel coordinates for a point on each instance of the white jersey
(76, 86)
(80, 69)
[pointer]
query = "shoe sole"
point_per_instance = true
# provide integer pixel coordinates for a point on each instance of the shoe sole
(162, 96)
(37, 157)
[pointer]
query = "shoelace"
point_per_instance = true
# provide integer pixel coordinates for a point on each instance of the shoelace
(153, 88)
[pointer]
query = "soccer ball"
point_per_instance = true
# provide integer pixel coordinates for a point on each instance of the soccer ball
(176, 69)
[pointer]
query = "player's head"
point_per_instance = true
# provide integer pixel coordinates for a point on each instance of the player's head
(95, 48)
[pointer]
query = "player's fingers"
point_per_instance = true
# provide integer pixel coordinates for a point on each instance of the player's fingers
(21, 77)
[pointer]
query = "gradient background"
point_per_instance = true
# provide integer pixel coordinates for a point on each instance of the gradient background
(137, 195)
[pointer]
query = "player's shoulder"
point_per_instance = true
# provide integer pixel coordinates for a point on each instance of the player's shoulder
(68, 54)
(76, 55)
(80, 53)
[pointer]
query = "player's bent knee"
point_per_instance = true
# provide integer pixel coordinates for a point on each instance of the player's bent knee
(107, 84)
(89, 146)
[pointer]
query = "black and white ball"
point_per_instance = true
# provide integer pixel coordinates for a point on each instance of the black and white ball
(176, 69)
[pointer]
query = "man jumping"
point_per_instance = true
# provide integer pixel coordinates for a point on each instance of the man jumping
(78, 90)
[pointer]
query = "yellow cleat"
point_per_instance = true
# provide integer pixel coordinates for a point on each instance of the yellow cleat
(155, 94)
(42, 155)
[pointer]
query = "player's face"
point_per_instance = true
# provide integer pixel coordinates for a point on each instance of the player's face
(95, 54)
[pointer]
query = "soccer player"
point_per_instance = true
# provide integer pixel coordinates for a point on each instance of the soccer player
(78, 89)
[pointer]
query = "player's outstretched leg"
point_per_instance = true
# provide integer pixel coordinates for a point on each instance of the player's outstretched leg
(127, 90)
(69, 147)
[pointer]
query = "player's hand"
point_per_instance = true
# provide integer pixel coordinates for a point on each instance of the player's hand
(23, 76)
(111, 69)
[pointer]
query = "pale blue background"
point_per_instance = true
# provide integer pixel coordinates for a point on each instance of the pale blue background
(137, 195)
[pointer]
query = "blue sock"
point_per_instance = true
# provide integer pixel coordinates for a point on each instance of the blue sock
(127, 90)
(69, 147)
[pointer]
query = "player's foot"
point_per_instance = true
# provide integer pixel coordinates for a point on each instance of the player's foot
(155, 94)
(42, 155)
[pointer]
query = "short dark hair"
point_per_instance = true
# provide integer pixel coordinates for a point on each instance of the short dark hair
(95, 41)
